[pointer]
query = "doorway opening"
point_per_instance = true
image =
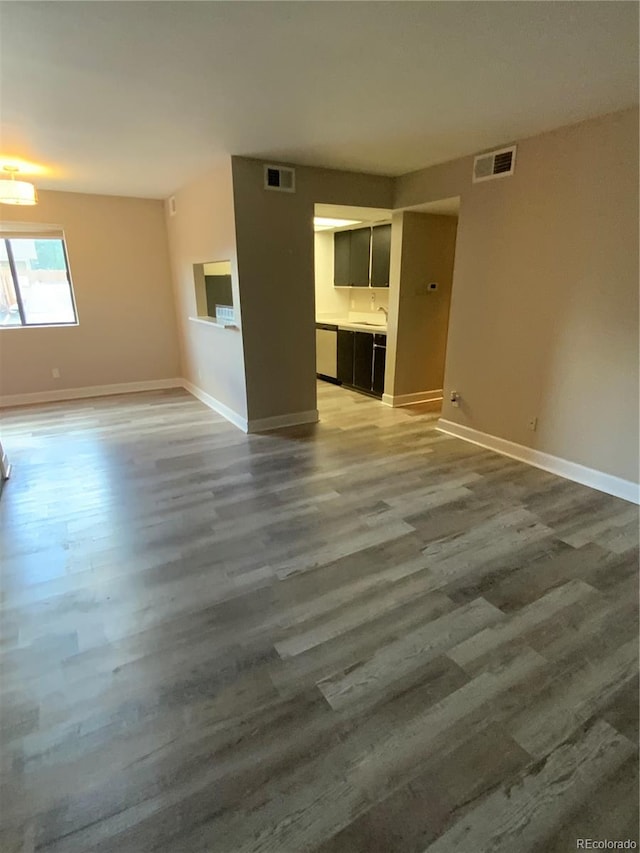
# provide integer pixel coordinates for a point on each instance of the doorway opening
(352, 250)
(383, 283)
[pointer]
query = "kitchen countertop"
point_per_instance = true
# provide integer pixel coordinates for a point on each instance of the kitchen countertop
(353, 325)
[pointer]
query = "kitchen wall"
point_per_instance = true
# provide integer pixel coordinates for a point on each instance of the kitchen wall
(363, 300)
(339, 301)
(423, 248)
(330, 300)
(276, 267)
(119, 264)
(203, 230)
(544, 312)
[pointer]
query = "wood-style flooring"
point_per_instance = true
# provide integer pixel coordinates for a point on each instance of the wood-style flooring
(362, 636)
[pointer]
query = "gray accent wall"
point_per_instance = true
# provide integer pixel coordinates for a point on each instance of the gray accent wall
(276, 268)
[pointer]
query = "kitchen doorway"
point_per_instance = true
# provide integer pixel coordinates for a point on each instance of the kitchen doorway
(383, 283)
(352, 250)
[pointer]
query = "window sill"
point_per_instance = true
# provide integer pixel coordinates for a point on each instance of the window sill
(209, 321)
(38, 326)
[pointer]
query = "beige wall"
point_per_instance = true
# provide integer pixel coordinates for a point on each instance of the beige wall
(423, 252)
(276, 268)
(201, 231)
(544, 314)
(120, 269)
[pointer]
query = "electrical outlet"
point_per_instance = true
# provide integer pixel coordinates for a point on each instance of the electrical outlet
(455, 399)
(533, 424)
(55, 372)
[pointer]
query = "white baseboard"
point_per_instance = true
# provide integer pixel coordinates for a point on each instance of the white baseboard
(410, 399)
(625, 489)
(256, 425)
(280, 421)
(216, 405)
(5, 467)
(88, 391)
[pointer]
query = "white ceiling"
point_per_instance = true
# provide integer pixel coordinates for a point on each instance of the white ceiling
(136, 98)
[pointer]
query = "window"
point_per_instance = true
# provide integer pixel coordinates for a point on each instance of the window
(35, 286)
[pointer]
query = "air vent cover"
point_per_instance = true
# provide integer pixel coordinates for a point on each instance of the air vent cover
(495, 164)
(280, 178)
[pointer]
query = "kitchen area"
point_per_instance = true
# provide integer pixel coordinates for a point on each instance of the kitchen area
(352, 275)
(383, 282)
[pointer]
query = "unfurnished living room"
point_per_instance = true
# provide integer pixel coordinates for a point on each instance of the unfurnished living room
(319, 427)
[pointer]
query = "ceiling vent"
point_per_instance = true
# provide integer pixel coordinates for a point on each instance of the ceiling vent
(280, 178)
(495, 164)
(171, 204)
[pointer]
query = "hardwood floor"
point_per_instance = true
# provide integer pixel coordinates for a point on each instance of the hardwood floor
(357, 637)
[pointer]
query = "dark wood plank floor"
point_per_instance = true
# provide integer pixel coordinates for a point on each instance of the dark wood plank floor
(354, 637)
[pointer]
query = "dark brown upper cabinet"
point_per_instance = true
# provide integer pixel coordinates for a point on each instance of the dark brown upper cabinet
(380, 255)
(359, 259)
(342, 258)
(362, 257)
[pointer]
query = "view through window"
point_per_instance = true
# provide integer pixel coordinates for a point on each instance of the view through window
(35, 286)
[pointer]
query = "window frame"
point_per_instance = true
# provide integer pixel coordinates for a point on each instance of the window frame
(16, 282)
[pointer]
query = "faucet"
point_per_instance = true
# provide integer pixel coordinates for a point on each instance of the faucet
(384, 311)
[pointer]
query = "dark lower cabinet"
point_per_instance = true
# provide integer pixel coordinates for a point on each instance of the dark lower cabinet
(363, 361)
(379, 361)
(346, 342)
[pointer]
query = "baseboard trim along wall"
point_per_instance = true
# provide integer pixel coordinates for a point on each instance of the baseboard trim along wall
(256, 425)
(233, 417)
(280, 421)
(5, 467)
(410, 399)
(88, 391)
(625, 489)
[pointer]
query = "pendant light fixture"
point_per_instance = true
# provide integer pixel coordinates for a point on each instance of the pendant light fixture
(16, 192)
